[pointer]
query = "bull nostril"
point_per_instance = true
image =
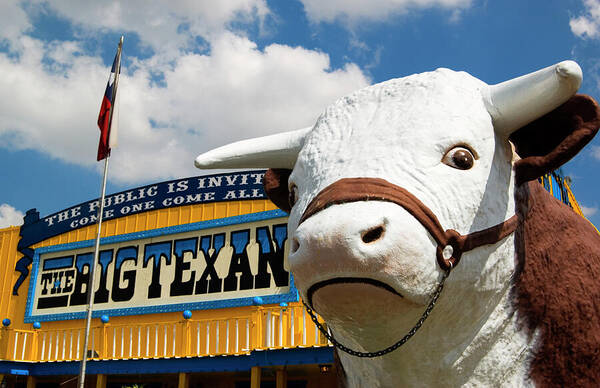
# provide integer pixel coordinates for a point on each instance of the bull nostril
(295, 245)
(373, 234)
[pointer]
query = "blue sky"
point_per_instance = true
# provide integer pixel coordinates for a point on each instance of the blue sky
(199, 74)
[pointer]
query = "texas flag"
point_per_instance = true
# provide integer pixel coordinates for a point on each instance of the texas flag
(108, 117)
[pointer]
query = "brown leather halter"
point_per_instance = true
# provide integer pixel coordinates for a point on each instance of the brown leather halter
(377, 189)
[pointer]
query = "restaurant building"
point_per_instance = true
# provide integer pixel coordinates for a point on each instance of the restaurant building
(193, 289)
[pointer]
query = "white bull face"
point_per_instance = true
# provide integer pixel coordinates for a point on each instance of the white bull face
(430, 134)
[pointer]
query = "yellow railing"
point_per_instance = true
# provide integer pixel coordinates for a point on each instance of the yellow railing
(568, 192)
(262, 328)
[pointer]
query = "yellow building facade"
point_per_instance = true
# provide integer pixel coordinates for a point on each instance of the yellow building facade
(192, 289)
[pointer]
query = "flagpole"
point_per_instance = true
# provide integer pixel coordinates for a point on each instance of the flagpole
(91, 283)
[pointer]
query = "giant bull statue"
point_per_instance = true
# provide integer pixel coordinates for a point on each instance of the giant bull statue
(403, 184)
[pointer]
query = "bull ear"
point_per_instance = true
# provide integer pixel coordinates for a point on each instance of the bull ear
(275, 183)
(553, 139)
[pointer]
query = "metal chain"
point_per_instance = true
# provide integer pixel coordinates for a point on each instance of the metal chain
(393, 347)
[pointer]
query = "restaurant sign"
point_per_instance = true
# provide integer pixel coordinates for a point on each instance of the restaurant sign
(211, 264)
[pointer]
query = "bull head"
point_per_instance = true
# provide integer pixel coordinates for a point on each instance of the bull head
(442, 143)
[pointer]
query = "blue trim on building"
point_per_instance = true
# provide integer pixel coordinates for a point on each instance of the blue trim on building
(291, 296)
(58, 263)
(265, 358)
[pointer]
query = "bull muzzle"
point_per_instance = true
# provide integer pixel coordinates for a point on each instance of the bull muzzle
(450, 244)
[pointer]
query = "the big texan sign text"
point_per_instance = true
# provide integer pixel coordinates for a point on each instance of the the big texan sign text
(205, 268)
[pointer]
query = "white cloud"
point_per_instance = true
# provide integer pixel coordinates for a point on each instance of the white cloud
(588, 25)
(9, 216)
(372, 10)
(13, 21)
(456, 16)
(50, 107)
(235, 92)
(589, 211)
(596, 152)
(51, 96)
(164, 25)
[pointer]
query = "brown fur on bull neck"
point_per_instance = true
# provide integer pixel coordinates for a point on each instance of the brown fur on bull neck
(556, 288)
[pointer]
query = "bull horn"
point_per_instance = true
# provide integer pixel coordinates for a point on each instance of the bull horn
(519, 101)
(274, 151)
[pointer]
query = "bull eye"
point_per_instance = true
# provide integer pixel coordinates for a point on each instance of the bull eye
(459, 157)
(293, 195)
